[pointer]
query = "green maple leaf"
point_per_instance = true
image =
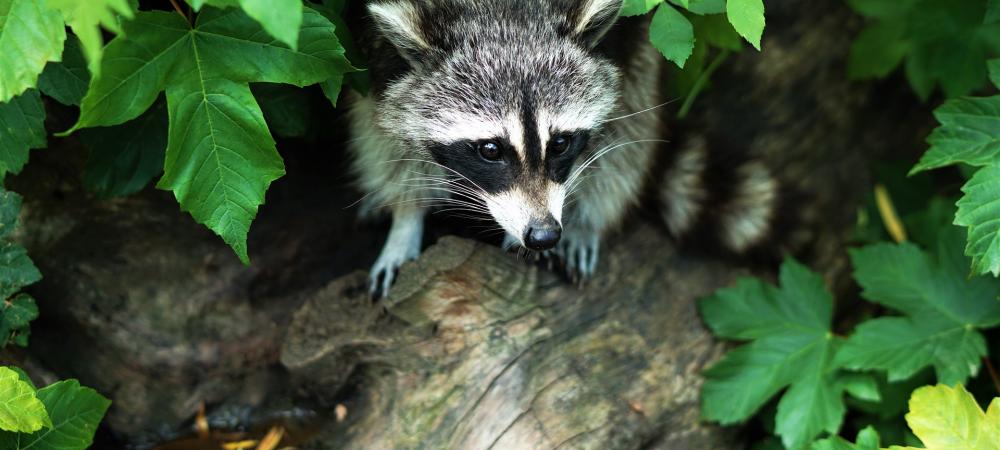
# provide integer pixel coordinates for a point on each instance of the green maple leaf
(286, 108)
(20, 410)
(969, 132)
(66, 81)
(22, 128)
(939, 43)
(672, 34)
(31, 35)
(86, 18)
(75, 412)
(791, 346)
(15, 315)
(946, 418)
(10, 208)
(878, 50)
(979, 210)
(220, 156)
(125, 158)
(280, 18)
(16, 269)
(943, 309)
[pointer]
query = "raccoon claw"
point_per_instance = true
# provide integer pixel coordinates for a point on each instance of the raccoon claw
(383, 274)
(579, 256)
(380, 280)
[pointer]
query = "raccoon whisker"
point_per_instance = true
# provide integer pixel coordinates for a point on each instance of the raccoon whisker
(488, 230)
(363, 197)
(452, 191)
(570, 196)
(443, 167)
(626, 116)
(593, 158)
(444, 181)
(444, 186)
(433, 202)
(453, 213)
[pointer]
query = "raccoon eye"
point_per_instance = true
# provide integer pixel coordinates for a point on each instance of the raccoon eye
(559, 144)
(489, 150)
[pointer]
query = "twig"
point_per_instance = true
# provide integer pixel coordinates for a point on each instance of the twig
(889, 217)
(993, 373)
(180, 11)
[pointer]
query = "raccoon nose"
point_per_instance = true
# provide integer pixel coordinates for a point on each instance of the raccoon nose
(542, 237)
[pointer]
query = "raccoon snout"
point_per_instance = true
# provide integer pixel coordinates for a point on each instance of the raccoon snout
(542, 235)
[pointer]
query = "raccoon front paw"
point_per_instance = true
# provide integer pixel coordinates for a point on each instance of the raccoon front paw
(386, 268)
(578, 252)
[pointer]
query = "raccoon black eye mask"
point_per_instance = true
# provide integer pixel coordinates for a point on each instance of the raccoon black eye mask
(522, 110)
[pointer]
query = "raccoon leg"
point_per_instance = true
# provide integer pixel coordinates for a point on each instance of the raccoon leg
(600, 201)
(402, 245)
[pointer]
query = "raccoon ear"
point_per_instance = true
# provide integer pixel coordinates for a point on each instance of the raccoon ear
(593, 18)
(400, 22)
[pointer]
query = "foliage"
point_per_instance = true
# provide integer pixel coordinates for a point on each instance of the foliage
(942, 307)
(698, 37)
(24, 117)
(867, 440)
(20, 410)
(210, 139)
(969, 134)
(939, 43)
(943, 417)
(791, 345)
(61, 416)
(672, 33)
(16, 272)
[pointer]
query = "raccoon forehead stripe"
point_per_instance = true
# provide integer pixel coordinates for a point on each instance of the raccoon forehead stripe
(544, 129)
(534, 150)
(515, 132)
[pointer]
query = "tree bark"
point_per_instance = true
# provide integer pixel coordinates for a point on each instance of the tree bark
(475, 349)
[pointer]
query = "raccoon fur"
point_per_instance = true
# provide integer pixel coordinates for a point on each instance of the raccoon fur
(538, 113)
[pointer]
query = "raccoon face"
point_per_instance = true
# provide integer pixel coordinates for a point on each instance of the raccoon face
(504, 94)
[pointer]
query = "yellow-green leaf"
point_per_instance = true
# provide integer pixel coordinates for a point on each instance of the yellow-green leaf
(946, 418)
(20, 410)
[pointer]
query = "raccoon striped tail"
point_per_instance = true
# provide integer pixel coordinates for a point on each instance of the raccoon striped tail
(717, 199)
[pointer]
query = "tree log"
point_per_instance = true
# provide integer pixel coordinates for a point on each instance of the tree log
(475, 349)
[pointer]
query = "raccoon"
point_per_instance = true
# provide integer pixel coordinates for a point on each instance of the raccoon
(538, 113)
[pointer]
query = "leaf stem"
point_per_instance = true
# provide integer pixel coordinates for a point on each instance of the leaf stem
(993, 373)
(699, 83)
(180, 11)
